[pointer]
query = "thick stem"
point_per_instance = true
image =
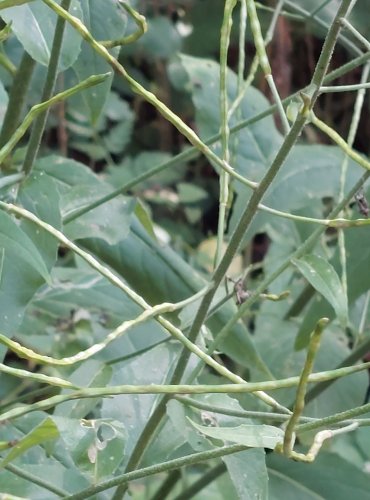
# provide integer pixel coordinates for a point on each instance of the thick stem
(17, 97)
(40, 122)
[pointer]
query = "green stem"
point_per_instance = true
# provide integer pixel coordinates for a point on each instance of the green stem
(259, 44)
(340, 142)
(39, 377)
(4, 4)
(149, 312)
(358, 35)
(224, 126)
(193, 459)
(261, 415)
(17, 97)
(140, 22)
(299, 403)
(334, 419)
(6, 63)
(40, 122)
(170, 389)
(352, 358)
(345, 88)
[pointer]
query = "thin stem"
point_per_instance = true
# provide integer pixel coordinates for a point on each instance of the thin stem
(241, 46)
(175, 389)
(338, 222)
(276, 97)
(340, 142)
(345, 88)
(39, 377)
(350, 140)
(319, 440)
(261, 415)
(358, 353)
(140, 22)
(224, 127)
(356, 33)
(4, 4)
(149, 313)
(195, 458)
(334, 419)
(299, 403)
(40, 122)
(259, 43)
(255, 62)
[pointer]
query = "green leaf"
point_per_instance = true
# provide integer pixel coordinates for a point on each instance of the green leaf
(23, 271)
(255, 436)
(180, 415)
(329, 477)
(78, 187)
(3, 102)
(322, 276)
(105, 20)
(248, 472)
(357, 246)
(15, 243)
(34, 25)
(162, 39)
(39, 194)
(96, 446)
(45, 431)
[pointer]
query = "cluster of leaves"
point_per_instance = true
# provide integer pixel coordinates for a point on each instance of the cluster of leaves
(114, 177)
